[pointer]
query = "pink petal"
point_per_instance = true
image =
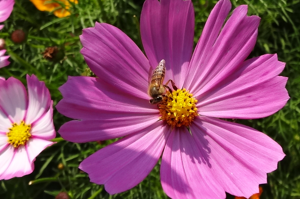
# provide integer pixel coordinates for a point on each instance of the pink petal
(257, 101)
(13, 99)
(44, 128)
(38, 99)
(105, 129)
(1, 26)
(19, 166)
(185, 169)
(167, 31)
(6, 157)
(2, 52)
(3, 141)
(93, 99)
(35, 146)
(210, 33)
(239, 157)
(6, 8)
(253, 91)
(116, 59)
(125, 163)
(5, 123)
(212, 65)
(3, 59)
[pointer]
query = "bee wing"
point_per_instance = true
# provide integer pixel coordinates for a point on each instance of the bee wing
(150, 73)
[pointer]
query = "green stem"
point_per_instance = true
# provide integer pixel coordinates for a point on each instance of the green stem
(96, 193)
(52, 179)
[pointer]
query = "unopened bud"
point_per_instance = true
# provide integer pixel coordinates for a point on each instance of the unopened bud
(62, 195)
(60, 166)
(18, 36)
(2, 44)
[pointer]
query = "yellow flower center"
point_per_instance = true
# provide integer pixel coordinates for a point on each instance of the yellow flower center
(19, 134)
(178, 108)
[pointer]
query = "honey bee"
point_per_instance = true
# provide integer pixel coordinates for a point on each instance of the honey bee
(157, 89)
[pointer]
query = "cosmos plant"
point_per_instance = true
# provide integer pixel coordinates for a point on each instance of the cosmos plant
(202, 156)
(26, 125)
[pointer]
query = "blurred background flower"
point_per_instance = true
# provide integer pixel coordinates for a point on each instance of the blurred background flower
(60, 8)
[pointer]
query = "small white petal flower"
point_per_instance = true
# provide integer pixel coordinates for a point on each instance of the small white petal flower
(26, 125)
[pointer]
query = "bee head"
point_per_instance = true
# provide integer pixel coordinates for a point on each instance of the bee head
(156, 100)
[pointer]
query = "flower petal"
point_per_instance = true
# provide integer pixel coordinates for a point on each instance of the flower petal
(13, 99)
(215, 63)
(116, 59)
(19, 166)
(3, 59)
(3, 141)
(125, 163)
(257, 101)
(210, 33)
(185, 170)
(105, 129)
(93, 99)
(253, 91)
(5, 123)
(167, 31)
(38, 99)
(35, 146)
(239, 156)
(6, 157)
(44, 128)
(6, 8)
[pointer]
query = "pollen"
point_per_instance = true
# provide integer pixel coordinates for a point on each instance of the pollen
(19, 134)
(178, 108)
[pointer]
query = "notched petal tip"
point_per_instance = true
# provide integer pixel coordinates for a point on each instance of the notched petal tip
(39, 99)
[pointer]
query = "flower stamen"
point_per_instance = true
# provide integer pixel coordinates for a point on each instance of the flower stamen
(19, 134)
(178, 108)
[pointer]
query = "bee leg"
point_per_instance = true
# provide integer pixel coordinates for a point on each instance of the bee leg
(173, 84)
(168, 88)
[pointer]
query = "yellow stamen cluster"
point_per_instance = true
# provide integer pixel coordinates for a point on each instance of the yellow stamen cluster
(19, 134)
(178, 108)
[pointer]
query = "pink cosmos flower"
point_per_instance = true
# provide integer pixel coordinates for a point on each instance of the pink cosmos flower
(25, 125)
(6, 7)
(216, 156)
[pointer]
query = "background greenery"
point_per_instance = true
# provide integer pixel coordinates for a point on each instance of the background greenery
(56, 167)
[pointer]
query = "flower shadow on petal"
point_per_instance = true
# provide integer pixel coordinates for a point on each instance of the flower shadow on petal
(167, 32)
(183, 155)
